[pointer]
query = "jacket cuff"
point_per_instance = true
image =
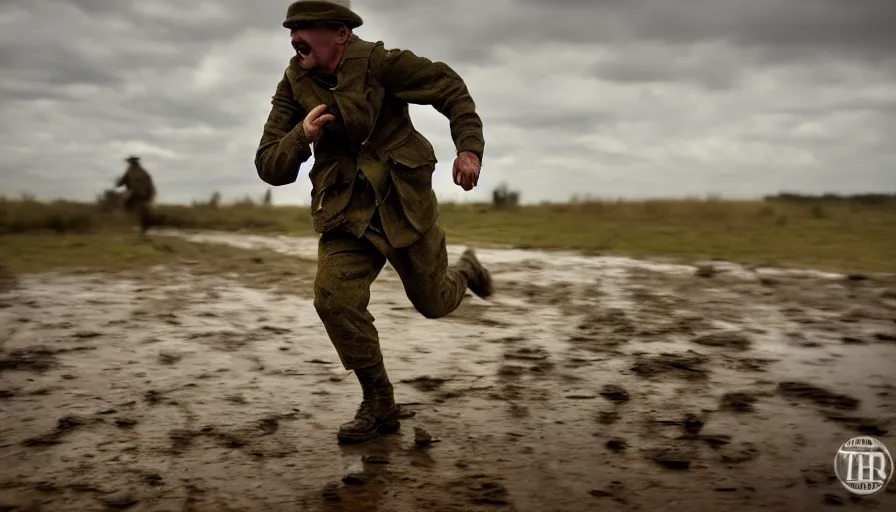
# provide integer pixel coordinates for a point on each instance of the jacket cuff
(473, 146)
(300, 144)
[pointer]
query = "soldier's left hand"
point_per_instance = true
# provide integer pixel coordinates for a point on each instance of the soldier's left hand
(466, 170)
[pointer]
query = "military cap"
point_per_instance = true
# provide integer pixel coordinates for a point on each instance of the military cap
(305, 12)
(132, 159)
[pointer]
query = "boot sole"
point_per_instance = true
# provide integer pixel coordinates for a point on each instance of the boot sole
(387, 427)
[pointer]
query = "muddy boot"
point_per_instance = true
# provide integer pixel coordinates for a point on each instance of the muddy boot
(378, 413)
(479, 280)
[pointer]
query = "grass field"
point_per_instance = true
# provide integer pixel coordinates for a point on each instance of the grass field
(825, 233)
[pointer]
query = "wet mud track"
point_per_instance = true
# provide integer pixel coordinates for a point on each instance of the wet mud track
(586, 384)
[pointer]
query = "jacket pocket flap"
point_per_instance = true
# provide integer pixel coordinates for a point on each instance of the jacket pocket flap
(325, 174)
(414, 152)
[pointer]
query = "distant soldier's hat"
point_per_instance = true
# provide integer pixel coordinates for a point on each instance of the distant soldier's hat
(132, 159)
(305, 13)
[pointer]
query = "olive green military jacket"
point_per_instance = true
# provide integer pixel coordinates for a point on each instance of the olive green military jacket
(138, 182)
(372, 134)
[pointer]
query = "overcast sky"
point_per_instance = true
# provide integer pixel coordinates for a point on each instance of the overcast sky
(613, 98)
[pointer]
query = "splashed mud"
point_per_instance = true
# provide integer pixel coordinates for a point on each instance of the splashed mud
(586, 384)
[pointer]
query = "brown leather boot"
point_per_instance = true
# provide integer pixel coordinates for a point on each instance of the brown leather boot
(479, 280)
(378, 413)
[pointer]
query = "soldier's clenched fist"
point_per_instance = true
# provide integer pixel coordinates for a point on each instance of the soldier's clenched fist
(466, 170)
(314, 121)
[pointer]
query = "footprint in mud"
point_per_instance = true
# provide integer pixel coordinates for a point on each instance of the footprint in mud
(615, 393)
(86, 335)
(866, 426)
(608, 417)
(511, 371)
(745, 364)
(604, 331)
(616, 445)
(885, 336)
(518, 411)
(480, 490)
(689, 366)
(225, 341)
(168, 357)
(733, 340)
(256, 440)
(817, 395)
(738, 401)
(738, 454)
(527, 354)
(269, 425)
(36, 359)
(181, 440)
(425, 383)
(64, 425)
(676, 458)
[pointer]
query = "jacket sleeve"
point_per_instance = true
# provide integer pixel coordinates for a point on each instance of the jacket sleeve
(421, 81)
(283, 147)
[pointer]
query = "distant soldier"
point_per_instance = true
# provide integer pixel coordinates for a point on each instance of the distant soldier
(140, 191)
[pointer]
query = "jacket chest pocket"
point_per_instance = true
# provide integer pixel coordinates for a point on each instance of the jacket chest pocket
(413, 153)
(412, 163)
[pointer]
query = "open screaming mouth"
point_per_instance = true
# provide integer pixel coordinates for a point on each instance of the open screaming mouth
(302, 49)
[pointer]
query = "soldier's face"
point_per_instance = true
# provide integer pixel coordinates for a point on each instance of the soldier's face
(317, 47)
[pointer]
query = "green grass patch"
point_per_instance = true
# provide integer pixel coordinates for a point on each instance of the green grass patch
(838, 234)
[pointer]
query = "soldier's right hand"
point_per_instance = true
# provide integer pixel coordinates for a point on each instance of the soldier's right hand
(315, 121)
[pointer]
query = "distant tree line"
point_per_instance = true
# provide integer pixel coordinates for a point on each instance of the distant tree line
(854, 198)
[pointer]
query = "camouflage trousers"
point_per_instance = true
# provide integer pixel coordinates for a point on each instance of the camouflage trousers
(347, 266)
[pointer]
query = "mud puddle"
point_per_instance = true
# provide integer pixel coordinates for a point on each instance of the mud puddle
(586, 384)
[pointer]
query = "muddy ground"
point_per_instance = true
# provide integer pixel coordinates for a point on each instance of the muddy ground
(587, 383)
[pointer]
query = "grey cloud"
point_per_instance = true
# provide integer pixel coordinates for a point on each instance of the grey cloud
(779, 30)
(710, 66)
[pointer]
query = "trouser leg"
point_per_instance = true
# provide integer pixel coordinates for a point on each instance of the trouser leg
(433, 287)
(144, 216)
(138, 206)
(346, 267)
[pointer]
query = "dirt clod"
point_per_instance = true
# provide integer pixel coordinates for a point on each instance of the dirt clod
(374, 459)
(614, 393)
(422, 438)
(692, 424)
(358, 478)
(705, 270)
(120, 500)
(616, 445)
(125, 422)
(169, 357)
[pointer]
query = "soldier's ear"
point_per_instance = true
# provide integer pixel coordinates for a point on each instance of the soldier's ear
(342, 34)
